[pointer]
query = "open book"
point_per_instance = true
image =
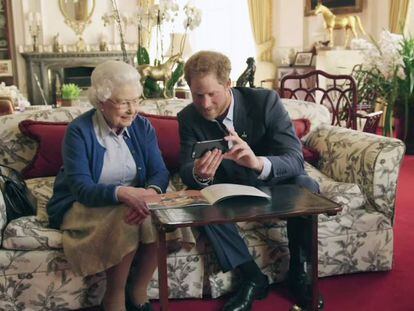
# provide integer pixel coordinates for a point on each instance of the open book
(207, 196)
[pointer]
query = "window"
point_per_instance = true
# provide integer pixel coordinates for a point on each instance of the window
(225, 27)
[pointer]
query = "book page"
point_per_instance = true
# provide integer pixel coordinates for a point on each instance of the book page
(176, 200)
(215, 193)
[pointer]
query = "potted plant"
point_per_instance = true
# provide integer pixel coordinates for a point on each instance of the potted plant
(70, 94)
(388, 69)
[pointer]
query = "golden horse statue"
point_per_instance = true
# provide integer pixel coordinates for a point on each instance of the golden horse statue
(162, 72)
(332, 22)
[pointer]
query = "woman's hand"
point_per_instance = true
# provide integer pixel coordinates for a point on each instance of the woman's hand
(242, 154)
(137, 208)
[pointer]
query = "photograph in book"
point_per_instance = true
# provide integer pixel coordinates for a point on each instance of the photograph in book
(177, 199)
(207, 196)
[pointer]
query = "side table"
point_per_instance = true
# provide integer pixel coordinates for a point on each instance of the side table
(287, 201)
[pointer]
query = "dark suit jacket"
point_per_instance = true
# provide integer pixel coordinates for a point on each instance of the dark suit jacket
(262, 121)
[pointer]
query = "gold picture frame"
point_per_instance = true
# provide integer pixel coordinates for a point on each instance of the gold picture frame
(336, 6)
(6, 68)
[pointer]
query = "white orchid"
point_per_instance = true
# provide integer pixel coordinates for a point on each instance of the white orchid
(384, 55)
(193, 18)
(169, 10)
(13, 92)
(388, 72)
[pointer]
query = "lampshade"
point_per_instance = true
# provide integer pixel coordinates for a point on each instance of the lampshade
(175, 43)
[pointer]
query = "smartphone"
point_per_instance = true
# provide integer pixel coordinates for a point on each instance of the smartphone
(201, 147)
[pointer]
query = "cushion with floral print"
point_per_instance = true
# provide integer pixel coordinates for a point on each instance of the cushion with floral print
(27, 233)
(348, 195)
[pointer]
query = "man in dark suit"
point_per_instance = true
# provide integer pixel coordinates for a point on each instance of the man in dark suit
(264, 150)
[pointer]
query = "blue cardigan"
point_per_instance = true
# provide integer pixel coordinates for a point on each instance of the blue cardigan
(83, 157)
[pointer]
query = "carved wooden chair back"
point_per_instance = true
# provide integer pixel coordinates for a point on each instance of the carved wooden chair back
(337, 92)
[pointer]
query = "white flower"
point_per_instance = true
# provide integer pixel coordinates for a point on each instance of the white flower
(13, 92)
(193, 19)
(384, 56)
(169, 10)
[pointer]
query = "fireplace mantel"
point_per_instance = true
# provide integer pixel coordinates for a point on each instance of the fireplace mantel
(49, 67)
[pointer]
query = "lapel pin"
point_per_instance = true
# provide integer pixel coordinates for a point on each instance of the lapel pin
(244, 136)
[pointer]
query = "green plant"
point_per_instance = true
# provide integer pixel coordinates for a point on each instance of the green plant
(406, 86)
(388, 72)
(70, 91)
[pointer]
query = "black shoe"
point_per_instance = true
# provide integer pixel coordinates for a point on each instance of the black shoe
(131, 306)
(300, 285)
(248, 292)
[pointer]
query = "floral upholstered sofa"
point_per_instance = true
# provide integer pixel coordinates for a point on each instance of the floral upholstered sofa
(355, 169)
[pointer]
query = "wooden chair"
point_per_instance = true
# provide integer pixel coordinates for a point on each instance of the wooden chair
(337, 92)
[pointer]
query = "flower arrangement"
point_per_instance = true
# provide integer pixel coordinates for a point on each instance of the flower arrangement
(14, 93)
(388, 70)
(158, 16)
(163, 16)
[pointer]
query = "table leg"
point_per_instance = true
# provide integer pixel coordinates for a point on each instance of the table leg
(314, 264)
(162, 270)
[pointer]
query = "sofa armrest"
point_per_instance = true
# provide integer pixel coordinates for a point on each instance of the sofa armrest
(371, 161)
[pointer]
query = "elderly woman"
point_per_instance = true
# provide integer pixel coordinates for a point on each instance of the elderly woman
(111, 161)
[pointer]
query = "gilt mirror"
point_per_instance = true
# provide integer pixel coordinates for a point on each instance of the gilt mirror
(77, 14)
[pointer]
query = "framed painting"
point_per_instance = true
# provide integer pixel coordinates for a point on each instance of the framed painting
(336, 6)
(6, 68)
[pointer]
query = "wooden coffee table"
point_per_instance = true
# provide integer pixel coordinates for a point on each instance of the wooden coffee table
(287, 201)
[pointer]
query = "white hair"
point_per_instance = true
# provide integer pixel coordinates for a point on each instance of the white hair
(110, 75)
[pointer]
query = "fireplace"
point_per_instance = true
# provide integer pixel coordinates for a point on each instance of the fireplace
(79, 75)
(51, 70)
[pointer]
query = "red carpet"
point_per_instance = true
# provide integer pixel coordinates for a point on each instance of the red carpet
(376, 291)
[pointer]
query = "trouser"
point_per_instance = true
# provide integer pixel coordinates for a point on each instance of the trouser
(231, 250)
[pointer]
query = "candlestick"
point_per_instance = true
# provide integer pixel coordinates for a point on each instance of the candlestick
(34, 28)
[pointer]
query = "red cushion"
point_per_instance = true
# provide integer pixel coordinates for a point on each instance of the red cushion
(302, 127)
(48, 158)
(49, 135)
(311, 155)
(168, 137)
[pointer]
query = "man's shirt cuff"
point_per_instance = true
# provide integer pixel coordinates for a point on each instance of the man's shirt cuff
(116, 192)
(267, 168)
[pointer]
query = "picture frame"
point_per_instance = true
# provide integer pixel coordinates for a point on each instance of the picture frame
(6, 69)
(303, 59)
(336, 6)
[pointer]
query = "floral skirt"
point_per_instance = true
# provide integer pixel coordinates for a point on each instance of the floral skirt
(97, 238)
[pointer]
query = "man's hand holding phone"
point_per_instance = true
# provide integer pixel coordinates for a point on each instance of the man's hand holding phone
(205, 167)
(209, 155)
